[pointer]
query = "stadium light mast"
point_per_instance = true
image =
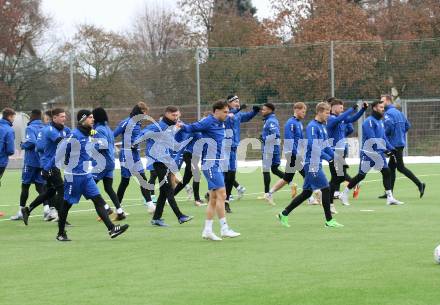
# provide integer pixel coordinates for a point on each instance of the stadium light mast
(72, 93)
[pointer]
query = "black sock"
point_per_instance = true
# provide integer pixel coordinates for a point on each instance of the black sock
(24, 194)
(196, 190)
(386, 178)
(122, 187)
(108, 187)
(62, 216)
(305, 194)
(266, 178)
(326, 195)
(99, 203)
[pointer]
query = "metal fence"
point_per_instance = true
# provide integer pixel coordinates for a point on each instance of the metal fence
(193, 78)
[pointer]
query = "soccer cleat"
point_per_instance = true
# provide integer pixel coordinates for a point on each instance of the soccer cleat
(384, 196)
(336, 195)
(25, 213)
(189, 191)
(117, 230)
(312, 201)
(356, 191)
(229, 233)
(199, 203)
(231, 197)
(184, 218)
(210, 236)
(344, 198)
(268, 197)
(110, 211)
(240, 191)
(333, 209)
(2, 214)
(318, 196)
(158, 223)
(119, 216)
(333, 224)
(63, 237)
(422, 189)
(293, 190)
(53, 215)
(17, 216)
(393, 201)
(284, 220)
(151, 207)
(227, 208)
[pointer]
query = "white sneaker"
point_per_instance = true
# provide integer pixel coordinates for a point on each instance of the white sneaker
(241, 192)
(17, 216)
(151, 208)
(231, 198)
(393, 201)
(229, 233)
(312, 201)
(268, 197)
(343, 196)
(336, 195)
(189, 191)
(210, 236)
(53, 215)
(333, 209)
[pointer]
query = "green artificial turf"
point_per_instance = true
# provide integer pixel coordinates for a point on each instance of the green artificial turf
(382, 256)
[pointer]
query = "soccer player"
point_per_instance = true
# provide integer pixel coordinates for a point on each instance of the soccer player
(318, 149)
(212, 129)
(396, 127)
(51, 136)
(337, 129)
(293, 135)
(232, 124)
(31, 173)
(107, 149)
(161, 138)
(375, 149)
(134, 165)
(78, 181)
(7, 138)
(271, 147)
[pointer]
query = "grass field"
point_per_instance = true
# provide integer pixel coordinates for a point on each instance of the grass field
(382, 256)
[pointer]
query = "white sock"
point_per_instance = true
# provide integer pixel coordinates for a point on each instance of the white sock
(208, 225)
(46, 209)
(120, 211)
(271, 192)
(150, 203)
(346, 190)
(389, 193)
(106, 206)
(223, 224)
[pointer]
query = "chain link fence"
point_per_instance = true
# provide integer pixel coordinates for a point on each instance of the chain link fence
(194, 78)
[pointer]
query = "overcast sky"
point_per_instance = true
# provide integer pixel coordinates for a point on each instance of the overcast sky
(113, 15)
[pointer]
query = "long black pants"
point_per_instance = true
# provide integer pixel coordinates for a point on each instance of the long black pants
(396, 162)
(54, 188)
(24, 195)
(305, 194)
(386, 179)
(166, 192)
(146, 193)
(266, 176)
(336, 180)
(108, 187)
(99, 203)
(191, 171)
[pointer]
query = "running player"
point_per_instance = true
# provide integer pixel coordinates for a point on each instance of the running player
(78, 181)
(318, 149)
(375, 149)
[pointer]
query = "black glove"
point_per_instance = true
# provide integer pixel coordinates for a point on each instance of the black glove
(256, 108)
(390, 153)
(242, 106)
(355, 106)
(365, 105)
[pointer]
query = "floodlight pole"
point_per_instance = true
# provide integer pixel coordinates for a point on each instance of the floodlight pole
(198, 83)
(72, 92)
(332, 68)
